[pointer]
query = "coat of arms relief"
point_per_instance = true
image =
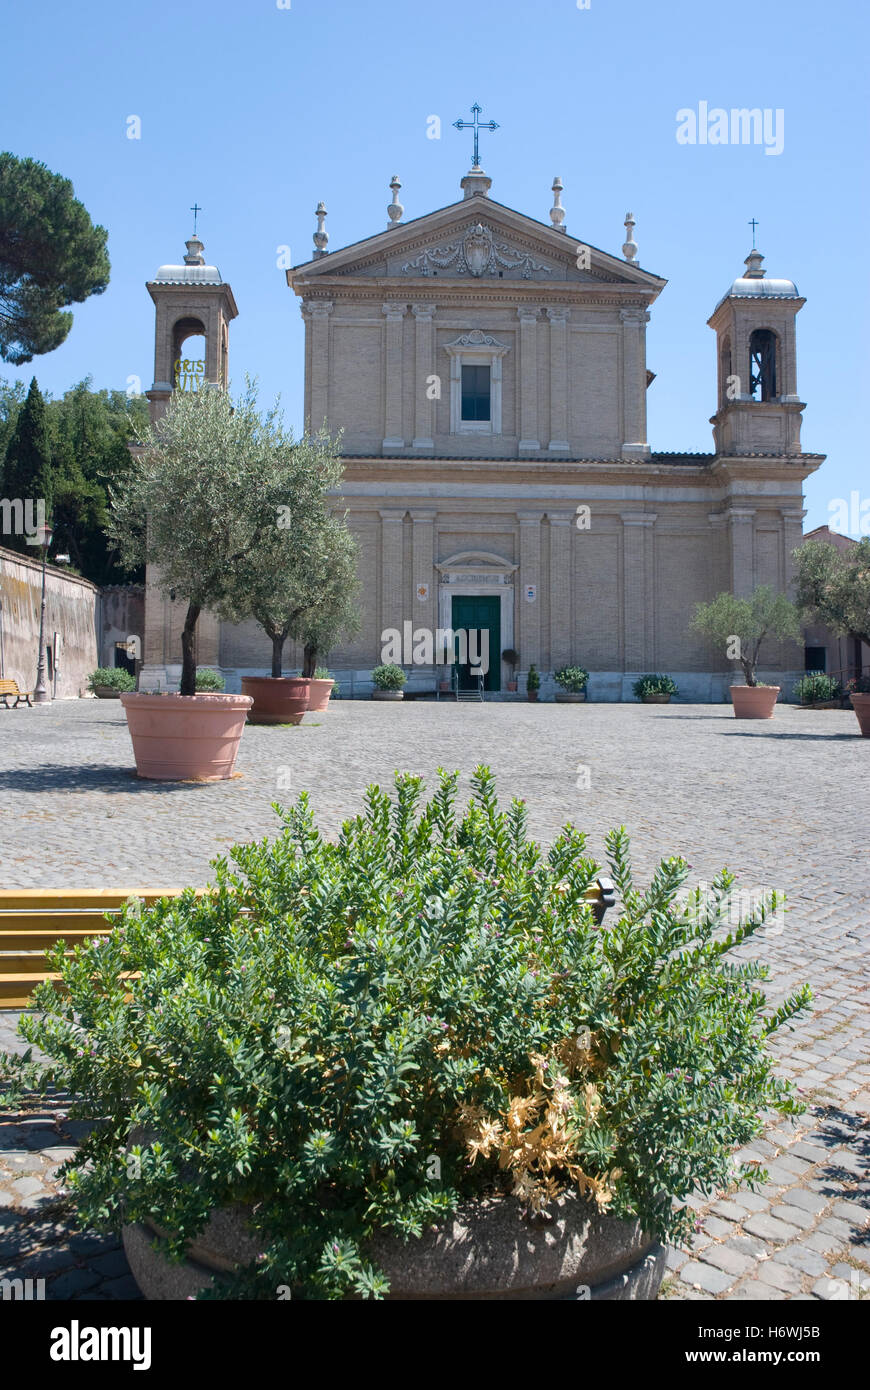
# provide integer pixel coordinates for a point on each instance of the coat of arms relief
(476, 253)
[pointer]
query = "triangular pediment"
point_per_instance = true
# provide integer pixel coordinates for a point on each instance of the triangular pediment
(477, 240)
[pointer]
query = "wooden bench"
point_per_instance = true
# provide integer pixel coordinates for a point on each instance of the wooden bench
(34, 920)
(9, 691)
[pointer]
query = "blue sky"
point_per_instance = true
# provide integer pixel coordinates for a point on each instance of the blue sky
(256, 112)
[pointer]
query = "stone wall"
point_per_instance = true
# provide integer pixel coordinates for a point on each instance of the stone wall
(71, 611)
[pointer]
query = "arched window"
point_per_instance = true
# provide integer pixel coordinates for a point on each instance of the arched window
(762, 365)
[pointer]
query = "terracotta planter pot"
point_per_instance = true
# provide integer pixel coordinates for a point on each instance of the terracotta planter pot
(388, 694)
(512, 685)
(276, 699)
(656, 699)
(319, 692)
(532, 695)
(570, 697)
(754, 701)
(486, 1252)
(861, 706)
(185, 737)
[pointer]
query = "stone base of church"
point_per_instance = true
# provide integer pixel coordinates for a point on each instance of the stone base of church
(605, 687)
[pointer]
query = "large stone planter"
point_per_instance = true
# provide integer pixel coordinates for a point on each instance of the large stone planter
(655, 699)
(277, 699)
(109, 692)
(185, 737)
(388, 694)
(570, 697)
(754, 701)
(488, 1251)
(861, 706)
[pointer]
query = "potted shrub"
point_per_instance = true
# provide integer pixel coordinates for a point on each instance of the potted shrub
(737, 627)
(858, 690)
(388, 681)
(572, 682)
(189, 507)
(817, 688)
(107, 682)
(655, 689)
(209, 680)
(512, 657)
(533, 683)
(408, 1064)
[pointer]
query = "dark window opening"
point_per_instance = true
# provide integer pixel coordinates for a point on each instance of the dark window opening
(815, 658)
(475, 393)
(762, 365)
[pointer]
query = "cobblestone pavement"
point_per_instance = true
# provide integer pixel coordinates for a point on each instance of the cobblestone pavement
(783, 803)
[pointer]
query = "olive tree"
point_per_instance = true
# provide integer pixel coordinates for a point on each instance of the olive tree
(833, 587)
(738, 626)
(192, 505)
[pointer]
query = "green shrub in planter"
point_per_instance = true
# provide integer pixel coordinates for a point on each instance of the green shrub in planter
(330, 1016)
(389, 677)
(654, 685)
(571, 678)
(209, 681)
(817, 687)
(323, 673)
(533, 680)
(111, 678)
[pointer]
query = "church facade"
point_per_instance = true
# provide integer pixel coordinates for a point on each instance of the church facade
(488, 374)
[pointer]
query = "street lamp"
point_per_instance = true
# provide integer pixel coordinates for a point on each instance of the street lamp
(40, 694)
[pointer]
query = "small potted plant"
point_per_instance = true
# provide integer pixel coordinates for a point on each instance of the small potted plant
(408, 1064)
(388, 681)
(512, 658)
(737, 627)
(818, 689)
(533, 683)
(655, 689)
(108, 682)
(572, 682)
(858, 690)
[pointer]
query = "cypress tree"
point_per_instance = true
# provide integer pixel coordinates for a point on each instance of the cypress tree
(27, 470)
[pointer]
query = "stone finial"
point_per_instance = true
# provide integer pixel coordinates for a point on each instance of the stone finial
(557, 212)
(629, 246)
(395, 211)
(754, 266)
(195, 249)
(321, 236)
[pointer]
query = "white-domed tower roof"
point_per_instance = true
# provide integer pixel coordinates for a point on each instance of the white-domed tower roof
(756, 284)
(193, 272)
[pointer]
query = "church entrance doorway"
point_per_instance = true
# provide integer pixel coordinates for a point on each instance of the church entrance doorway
(479, 613)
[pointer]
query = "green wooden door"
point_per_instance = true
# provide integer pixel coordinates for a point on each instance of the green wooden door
(480, 614)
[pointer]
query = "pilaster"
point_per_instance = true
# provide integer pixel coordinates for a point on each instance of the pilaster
(741, 526)
(424, 369)
(637, 588)
(558, 317)
(394, 312)
(530, 574)
(320, 310)
(634, 322)
(392, 551)
(528, 384)
(561, 626)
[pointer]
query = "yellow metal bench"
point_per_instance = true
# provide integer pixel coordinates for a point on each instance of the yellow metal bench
(33, 920)
(9, 691)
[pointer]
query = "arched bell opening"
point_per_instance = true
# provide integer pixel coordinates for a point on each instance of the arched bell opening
(189, 349)
(763, 365)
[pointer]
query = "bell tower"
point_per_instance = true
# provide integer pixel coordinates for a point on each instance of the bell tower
(758, 408)
(191, 300)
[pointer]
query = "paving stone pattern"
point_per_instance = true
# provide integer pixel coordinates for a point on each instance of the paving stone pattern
(783, 803)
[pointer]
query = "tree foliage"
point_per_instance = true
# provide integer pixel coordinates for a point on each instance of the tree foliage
(51, 255)
(833, 587)
(28, 474)
(737, 627)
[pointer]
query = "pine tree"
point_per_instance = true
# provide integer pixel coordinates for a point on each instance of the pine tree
(27, 469)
